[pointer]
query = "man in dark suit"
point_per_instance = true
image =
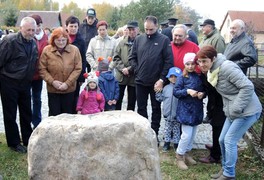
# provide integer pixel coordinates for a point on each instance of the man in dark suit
(167, 31)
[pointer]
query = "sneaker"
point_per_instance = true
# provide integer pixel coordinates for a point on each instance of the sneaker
(19, 148)
(175, 146)
(166, 147)
(209, 160)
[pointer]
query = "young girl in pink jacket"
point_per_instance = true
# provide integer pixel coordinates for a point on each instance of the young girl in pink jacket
(91, 99)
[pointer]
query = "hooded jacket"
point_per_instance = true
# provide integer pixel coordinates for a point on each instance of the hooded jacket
(109, 86)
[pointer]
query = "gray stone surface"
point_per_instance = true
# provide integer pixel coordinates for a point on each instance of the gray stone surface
(203, 135)
(110, 145)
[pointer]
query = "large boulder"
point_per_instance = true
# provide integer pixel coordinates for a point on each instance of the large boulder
(114, 145)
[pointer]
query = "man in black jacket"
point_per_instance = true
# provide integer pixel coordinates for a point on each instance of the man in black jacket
(151, 58)
(168, 31)
(18, 57)
(88, 29)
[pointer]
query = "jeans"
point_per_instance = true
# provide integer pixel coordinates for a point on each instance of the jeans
(36, 88)
(187, 137)
(142, 94)
(232, 132)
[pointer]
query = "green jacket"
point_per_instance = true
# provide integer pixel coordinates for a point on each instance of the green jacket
(215, 39)
(121, 61)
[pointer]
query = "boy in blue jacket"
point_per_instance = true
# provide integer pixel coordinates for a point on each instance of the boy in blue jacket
(172, 127)
(108, 84)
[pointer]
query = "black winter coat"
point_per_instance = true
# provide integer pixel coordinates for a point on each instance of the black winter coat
(18, 57)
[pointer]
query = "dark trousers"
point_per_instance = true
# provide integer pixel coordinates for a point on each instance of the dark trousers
(76, 97)
(142, 94)
(216, 150)
(36, 88)
(15, 94)
(131, 97)
(60, 103)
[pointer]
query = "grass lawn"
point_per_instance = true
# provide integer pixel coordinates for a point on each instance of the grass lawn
(13, 166)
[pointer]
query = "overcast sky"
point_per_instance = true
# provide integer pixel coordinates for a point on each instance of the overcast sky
(213, 9)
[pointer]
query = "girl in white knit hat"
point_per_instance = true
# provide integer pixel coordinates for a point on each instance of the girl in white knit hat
(91, 99)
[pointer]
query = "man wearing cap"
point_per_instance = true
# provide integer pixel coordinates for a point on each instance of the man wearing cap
(167, 31)
(124, 72)
(37, 83)
(163, 25)
(191, 34)
(88, 29)
(151, 59)
(212, 36)
(18, 58)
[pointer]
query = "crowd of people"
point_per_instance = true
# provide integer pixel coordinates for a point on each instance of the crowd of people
(168, 66)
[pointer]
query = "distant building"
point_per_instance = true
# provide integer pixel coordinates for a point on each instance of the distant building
(51, 19)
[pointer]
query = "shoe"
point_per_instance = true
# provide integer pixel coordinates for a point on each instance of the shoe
(215, 176)
(175, 146)
(222, 177)
(19, 148)
(189, 159)
(166, 147)
(208, 146)
(180, 162)
(209, 159)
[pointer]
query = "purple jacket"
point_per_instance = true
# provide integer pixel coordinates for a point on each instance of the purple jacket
(90, 102)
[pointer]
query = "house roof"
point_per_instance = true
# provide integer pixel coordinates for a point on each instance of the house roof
(51, 19)
(249, 17)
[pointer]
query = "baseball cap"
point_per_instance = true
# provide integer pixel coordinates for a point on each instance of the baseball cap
(174, 71)
(91, 12)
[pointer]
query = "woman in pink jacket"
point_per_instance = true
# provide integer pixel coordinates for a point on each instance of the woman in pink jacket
(91, 99)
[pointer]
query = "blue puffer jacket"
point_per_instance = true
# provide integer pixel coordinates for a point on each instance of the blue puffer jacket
(189, 109)
(109, 86)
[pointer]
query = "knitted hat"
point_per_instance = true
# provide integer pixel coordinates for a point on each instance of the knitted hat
(174, 71)
(92, 78)
(103, 64)
(189, 57)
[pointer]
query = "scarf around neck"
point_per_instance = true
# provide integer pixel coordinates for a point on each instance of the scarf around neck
(212, 77)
